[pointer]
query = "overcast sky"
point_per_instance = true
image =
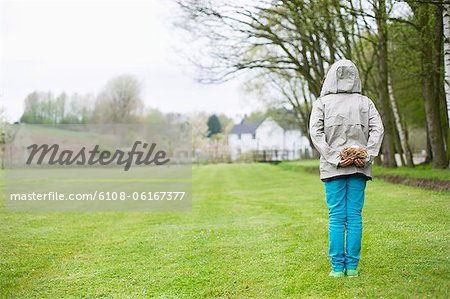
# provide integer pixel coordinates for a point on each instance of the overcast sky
(78, 45)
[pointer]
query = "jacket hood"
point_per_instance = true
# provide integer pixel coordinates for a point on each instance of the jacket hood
(342, 77)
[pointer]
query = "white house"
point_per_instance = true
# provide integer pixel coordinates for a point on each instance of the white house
(267, 141)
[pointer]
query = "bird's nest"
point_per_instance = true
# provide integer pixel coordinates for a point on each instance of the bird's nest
(353, 152)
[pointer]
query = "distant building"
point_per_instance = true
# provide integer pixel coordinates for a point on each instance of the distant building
(176, 118)
(267, 140)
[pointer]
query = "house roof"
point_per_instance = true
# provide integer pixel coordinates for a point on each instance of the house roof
(246, 126)
(285, 119)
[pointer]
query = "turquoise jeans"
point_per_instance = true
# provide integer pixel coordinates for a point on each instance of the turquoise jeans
(345, 200)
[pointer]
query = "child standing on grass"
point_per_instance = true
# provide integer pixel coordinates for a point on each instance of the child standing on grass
(341, 118)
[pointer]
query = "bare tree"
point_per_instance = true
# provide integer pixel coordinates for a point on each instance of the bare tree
(289, 44)
(120, 101)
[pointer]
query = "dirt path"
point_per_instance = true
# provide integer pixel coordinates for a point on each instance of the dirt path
(430, 184)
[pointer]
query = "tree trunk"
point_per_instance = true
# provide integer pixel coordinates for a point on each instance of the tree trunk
(446, 27)
(429, 152)
(446, 23)
(398, 149)
(405, 128)
(388, 142)
(429, 18)
(378, 161)
(398, 123)
(431, 36)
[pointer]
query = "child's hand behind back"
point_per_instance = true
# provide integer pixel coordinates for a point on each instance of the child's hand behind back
(346, 162)
(359, 162)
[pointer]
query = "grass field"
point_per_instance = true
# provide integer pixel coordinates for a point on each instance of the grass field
(255, 230)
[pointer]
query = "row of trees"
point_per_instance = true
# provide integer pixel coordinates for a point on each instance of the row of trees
(119, 102)
(45, 108)
(285, 47)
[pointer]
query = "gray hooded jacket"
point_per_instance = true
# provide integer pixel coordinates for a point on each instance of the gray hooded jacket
(342, 117)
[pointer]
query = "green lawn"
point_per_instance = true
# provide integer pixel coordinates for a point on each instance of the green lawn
(255, 230)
